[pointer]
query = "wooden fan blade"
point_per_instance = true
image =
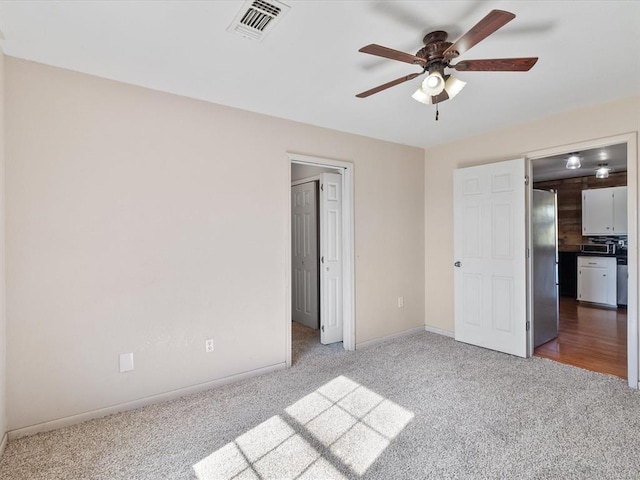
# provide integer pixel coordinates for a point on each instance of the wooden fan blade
(485, 27)
(392, 83)
(386, 52)
(496, 65)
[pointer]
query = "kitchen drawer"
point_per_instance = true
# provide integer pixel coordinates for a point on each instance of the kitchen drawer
(593, 261)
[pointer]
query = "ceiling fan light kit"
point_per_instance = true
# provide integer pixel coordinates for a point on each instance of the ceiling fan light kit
(434, 83)
(437, 54)
(421, 97)
(451, 86)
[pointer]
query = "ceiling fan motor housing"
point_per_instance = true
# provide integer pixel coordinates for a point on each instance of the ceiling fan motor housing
(435, 45)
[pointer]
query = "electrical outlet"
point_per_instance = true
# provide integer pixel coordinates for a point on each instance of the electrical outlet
(400, 302)
(208, 345)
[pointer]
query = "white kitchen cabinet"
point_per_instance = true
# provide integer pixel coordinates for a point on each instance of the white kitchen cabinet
(597, 280)
(604, 211)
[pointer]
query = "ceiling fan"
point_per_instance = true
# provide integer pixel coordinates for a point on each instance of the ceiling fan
(437, 54)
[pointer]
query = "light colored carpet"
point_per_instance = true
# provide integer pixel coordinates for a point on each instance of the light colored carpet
(422, 406)
(305, 344)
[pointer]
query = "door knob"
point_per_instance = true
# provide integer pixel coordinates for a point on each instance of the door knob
(457, 264)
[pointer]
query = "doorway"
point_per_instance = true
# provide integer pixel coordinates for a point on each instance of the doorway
(316, 273)
(496, 310)
(597, 322)
(320, 277)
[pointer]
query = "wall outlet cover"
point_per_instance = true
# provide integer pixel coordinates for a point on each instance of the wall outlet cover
(126, 362)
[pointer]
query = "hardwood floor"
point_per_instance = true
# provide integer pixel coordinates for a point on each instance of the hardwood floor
(589, 337)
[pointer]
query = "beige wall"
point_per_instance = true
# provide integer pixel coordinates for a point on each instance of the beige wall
(143, 222)
(3, 336)
(614, 118)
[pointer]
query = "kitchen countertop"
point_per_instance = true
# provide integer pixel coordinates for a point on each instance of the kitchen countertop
(621, 254)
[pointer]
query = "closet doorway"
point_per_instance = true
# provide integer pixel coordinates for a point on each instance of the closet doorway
(321, 253)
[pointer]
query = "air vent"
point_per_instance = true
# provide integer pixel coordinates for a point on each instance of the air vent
(257, 18)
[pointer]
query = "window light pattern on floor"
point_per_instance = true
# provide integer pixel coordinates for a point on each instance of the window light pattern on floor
(354, 423)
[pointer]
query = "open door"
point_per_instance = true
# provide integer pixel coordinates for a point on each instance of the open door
(490, 256)
(331, 316)
(304, 255)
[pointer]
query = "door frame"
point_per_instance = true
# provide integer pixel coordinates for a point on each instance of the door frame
(633, 367)
(348, 247)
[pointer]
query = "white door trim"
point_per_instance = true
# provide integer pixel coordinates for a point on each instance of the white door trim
(631, 140)
(348, 261)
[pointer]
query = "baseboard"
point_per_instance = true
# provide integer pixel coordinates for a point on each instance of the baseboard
(143, 402)
(375, 341)
(3, 444)
(439, 331)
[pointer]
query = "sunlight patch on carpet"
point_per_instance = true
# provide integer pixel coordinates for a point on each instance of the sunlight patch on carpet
(354, 423)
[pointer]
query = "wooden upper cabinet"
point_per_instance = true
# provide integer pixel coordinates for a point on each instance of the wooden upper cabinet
(604, 211)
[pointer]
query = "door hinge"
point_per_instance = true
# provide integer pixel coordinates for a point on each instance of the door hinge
(528, 325)
(526, 179)
(323, 328)
(528, 253)
(322, 187)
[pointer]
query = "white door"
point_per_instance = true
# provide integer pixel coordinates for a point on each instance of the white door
(490, 256)
(304, 261)
(331, 258)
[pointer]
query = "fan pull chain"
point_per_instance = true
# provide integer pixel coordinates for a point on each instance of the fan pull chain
(437, 112)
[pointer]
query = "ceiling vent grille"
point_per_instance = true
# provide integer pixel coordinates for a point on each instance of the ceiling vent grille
(257, 18)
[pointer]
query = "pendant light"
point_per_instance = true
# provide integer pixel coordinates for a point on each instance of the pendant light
(573, 161)
(602, 171)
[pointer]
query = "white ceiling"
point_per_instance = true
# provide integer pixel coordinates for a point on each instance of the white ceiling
(309, 69)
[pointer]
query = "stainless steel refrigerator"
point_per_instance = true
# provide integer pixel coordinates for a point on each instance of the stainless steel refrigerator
(545, 266)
